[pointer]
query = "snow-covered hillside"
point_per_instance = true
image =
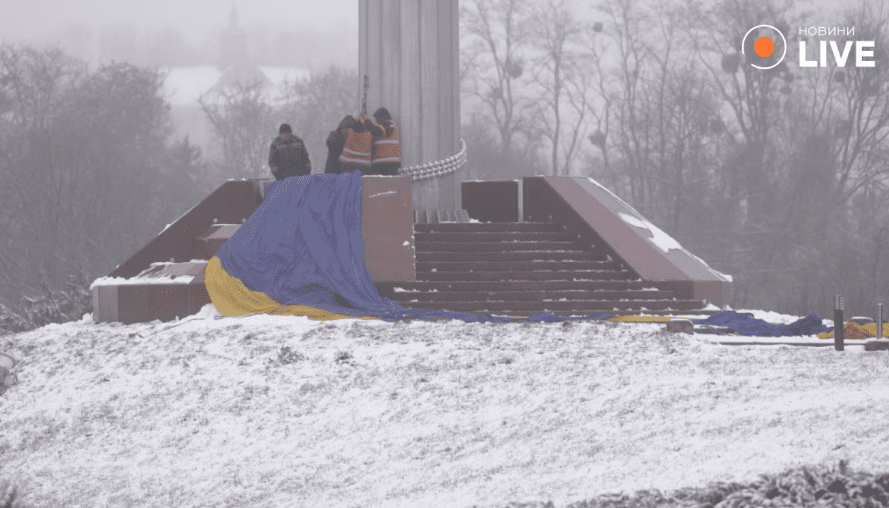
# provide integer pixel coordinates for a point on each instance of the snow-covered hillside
(269, 411)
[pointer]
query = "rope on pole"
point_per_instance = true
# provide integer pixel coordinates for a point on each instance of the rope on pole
(364, 96)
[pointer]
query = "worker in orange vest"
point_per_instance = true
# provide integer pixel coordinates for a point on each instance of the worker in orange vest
(336, 141)
(357, 150)
(386, 153)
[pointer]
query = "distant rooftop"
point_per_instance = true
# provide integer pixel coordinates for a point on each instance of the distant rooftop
(185, 85)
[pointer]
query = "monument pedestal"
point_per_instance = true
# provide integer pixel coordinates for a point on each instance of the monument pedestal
(409, 49)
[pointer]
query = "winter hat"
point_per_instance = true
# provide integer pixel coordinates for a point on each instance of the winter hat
(347, 122)
(382, 115)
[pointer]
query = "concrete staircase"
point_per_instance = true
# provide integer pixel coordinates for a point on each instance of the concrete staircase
(522, 268)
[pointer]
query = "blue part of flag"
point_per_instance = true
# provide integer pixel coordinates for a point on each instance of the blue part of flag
(743, 323)
(303, 246)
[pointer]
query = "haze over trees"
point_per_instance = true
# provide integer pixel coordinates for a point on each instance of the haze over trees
(170, 47)
(88, 172)
(777, 177)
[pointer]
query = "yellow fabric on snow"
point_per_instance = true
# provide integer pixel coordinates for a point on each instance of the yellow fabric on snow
(232, 298)
(855, 331)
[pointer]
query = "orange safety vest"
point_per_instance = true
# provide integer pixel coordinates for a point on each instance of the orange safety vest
(387, 149)
(356, 152)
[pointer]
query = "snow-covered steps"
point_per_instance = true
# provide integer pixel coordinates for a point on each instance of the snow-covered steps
(553, 285)
(443, 245)
(438, 216)
(574, 307)
(612, 226)
(508, 256)
(491, 227)
(537, 296)
(522, 268)
(548, 275)
(490, 236)
(216, 237)
(510, 265)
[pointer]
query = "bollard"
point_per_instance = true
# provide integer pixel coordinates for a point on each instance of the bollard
(6, 379)
(838, 323)
(880, 321)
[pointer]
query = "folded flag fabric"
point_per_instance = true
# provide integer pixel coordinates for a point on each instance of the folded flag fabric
(302, 246)
(855, 331)
(301, 253)
(743, 323)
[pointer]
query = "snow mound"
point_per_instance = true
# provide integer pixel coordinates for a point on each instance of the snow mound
(774, 317)
(207, 312)
(120, 281)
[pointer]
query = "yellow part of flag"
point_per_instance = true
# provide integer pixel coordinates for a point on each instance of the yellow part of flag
(854, 331)
(232, 298)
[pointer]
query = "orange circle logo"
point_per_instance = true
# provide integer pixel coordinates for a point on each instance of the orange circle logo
(764, 47)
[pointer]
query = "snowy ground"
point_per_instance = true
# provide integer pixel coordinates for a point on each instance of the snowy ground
(212, 412)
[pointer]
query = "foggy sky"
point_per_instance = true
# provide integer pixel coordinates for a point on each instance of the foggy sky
(197, 18)
(33, 19)
(199, 21)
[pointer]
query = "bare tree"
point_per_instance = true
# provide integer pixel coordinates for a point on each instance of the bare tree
(242, 119)
(563, 74)
(752, 94)
(316, 106)
(863, 107)
(84, 167)
(601, 113)
(497, 37)
(629, 24)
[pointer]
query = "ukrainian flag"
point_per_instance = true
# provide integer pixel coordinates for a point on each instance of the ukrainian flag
(301, 253)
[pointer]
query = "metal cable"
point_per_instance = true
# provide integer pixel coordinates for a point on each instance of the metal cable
(437, 168)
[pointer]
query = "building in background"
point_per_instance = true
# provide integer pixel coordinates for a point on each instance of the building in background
(185, 86)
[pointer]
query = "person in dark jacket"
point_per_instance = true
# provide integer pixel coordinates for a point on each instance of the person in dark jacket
(288, 155)
(335, 142)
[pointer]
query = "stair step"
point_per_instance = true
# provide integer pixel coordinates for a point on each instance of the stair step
(524, 276)
(537, 296)
(484, 236)
(506, 257)
(439, 216)
(542, 285)
(522, 268)
(220, 232)
(593, 312)
(518, 266)
(500, 227)
(495, 246)
(585, 306)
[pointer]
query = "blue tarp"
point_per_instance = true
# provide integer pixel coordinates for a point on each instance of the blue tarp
(303, 246)
(743, 323)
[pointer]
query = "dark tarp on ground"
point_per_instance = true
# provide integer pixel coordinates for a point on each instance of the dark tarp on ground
(303, 246)
(743, 323)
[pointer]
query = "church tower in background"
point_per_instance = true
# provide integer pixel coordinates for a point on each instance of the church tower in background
(233, 45)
